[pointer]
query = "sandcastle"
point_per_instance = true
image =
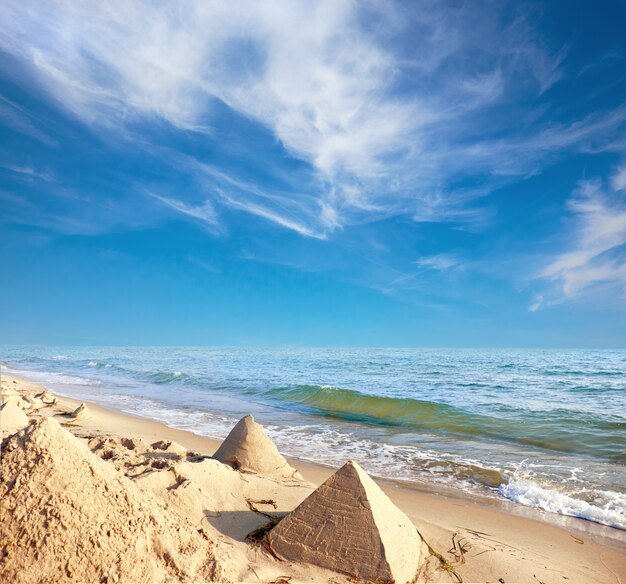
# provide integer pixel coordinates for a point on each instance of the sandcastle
(248, 448)
(349, 525)
(46, 397)
(82, 411)
(12, 417)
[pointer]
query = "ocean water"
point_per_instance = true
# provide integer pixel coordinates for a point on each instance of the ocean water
(544, 429)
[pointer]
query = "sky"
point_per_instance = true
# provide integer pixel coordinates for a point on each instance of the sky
(411, 174)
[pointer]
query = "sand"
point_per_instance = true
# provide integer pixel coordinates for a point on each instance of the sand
(210, 519)
(67, 515)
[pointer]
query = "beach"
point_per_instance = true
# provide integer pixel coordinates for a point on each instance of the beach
(467, 540)
(539, 429)
(301, 292)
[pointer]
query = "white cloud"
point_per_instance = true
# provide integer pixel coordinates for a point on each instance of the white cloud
(203, 264)
(204, 212)
(536, 304)
(389, 105)
(598, 256)
(22, 121)
(618, 180)
(440, 262)
(28, 172)
(266, 213)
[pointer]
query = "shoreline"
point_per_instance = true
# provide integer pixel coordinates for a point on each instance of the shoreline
(434, 513)
(317, 473)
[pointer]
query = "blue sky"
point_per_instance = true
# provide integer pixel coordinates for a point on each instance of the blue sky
(329, 173)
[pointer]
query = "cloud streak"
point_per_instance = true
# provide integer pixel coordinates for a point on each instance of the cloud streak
(440, 262)
(205, 213)
(22, 121)
(598, 256)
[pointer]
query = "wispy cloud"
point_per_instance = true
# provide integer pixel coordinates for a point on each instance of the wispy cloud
(206, 266)
(440, 262)
(22, 121)
(536, 304)
(391, 118)
(598, 256)
(204, 212)
(618, 180)
(29, 172)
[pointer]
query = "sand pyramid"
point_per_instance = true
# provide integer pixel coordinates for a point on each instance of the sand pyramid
(68, 516)
(12, 417)
(82, 411)
(248, 448)
(349, 525)
(18, 400)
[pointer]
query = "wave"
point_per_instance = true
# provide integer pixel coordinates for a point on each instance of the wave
(550, 433)
(359, 407)
(157, 376)
(604, 507)
(578, 373)
(166, 377)
(54, 377)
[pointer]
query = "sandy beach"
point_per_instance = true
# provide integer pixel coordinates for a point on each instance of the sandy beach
(168, 470)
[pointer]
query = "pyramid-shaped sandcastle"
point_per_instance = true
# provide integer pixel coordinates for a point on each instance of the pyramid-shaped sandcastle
(247, 447)
(69, 516)
(12, 417)
(349, 525)
(82, 411)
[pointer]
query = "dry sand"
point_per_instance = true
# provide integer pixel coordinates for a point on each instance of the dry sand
(108, 497)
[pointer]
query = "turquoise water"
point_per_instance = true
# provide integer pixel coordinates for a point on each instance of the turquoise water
(544, 429)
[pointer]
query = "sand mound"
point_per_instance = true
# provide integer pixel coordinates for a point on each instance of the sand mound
(82, 411)
(18, 400)
(349, 525)
(247, 447)
(47, 398)
(66, 515)
(169, 447)
(12, 417)
(34, 403)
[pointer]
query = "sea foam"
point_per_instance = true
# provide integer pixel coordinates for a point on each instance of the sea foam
(607, 508)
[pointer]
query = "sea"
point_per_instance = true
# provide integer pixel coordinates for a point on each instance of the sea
(539, 428)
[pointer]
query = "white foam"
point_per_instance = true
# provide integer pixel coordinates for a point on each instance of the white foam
(55, 379)
(609, 508)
